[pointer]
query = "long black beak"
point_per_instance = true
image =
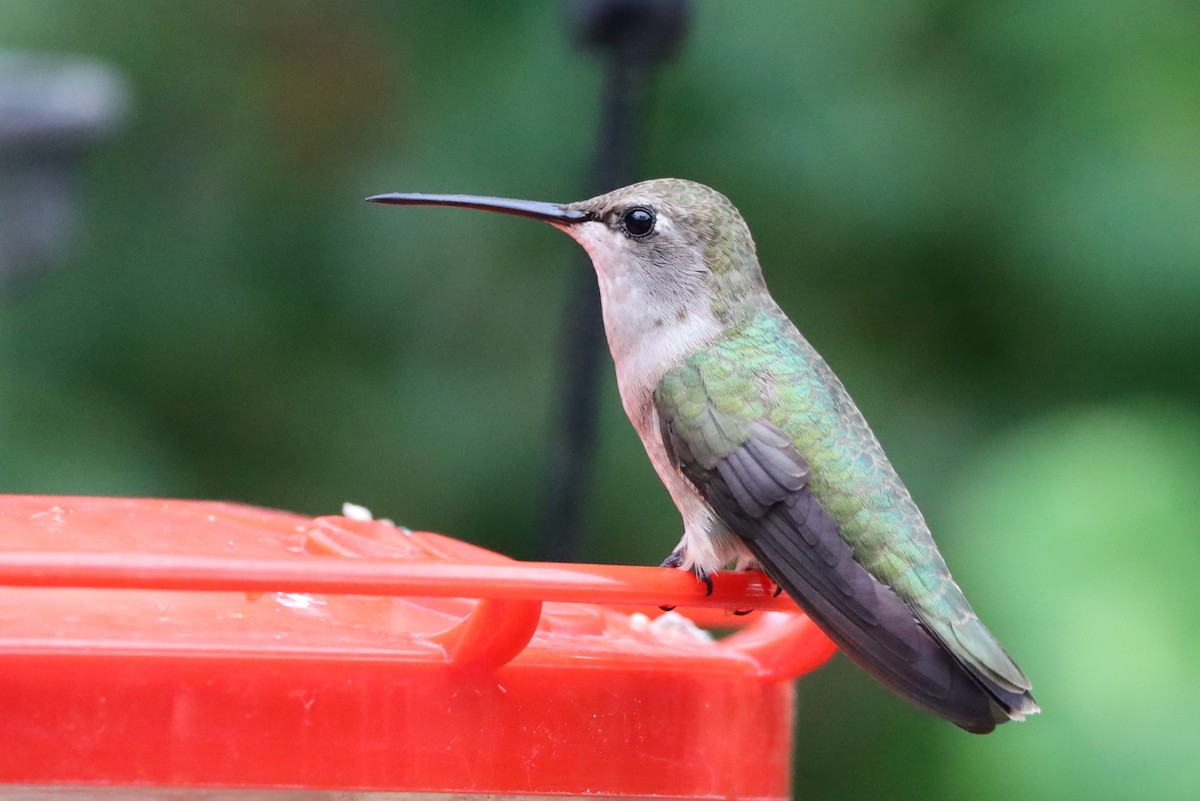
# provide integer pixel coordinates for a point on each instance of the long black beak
(548, 212)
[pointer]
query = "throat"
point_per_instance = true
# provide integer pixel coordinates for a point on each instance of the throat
(647, 340)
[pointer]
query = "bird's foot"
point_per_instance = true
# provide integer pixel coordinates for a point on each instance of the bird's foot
(675, 560)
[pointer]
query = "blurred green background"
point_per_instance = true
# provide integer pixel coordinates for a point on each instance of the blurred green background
(985, 215)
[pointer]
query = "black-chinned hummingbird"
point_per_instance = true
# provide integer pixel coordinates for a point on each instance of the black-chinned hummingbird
(767, 458)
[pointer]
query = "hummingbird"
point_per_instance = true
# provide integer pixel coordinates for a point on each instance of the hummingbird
(768, 460)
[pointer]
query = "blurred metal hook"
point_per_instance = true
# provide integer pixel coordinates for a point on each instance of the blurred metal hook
(633, 36)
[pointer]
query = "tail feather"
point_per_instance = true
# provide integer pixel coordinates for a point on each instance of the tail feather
(801, 548)
(979, 648)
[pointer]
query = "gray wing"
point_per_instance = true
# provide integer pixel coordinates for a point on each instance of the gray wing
(760, 490)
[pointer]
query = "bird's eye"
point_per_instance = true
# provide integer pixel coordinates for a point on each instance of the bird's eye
(638, 221)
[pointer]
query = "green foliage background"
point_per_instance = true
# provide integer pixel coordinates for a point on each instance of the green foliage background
(986, 215)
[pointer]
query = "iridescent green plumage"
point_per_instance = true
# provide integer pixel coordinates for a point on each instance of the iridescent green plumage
(764, 371)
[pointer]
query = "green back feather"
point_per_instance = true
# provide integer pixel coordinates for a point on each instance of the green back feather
(764, 370)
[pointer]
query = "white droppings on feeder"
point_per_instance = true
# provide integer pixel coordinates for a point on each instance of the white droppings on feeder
(355, 512)
(669, 626)
(300, 602)
(676, 625)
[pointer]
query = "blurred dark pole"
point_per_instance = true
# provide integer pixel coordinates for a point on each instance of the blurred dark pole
(633, 37)
(51, 110)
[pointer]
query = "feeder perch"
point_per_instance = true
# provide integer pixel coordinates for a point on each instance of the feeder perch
(151, 648)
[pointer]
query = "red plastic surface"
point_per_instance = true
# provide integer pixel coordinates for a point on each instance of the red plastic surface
(173, 643)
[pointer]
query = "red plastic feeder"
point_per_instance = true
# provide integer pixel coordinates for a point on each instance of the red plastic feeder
(172, 644)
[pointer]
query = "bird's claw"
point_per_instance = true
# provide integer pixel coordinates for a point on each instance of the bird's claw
(675, 560)
(778, 591)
